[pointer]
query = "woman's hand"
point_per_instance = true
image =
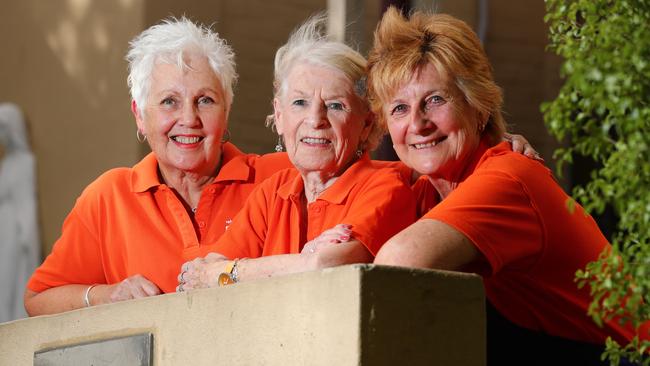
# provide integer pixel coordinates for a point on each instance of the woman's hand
(340, 233)
(69, 297)
(521, 145)
(134, 287)
(201, 272)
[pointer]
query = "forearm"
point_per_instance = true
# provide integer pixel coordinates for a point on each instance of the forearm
(205, 272)
(277, 265)
(429, 244)
(56, 299)
(330, 256)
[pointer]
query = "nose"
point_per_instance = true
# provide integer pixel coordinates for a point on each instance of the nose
(189, 115)
(420, 122)
(317, 115)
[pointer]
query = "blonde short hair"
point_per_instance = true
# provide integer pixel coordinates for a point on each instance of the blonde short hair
(403, 46)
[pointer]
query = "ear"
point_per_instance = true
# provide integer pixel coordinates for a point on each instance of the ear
(139, 121)
(368, 123)
(277, 115)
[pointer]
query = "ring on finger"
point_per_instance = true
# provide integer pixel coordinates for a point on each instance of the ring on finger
(180, 287)
(182, 279)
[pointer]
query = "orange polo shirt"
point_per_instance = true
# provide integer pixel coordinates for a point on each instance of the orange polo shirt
(515, 213)
(376, 202)
(127, 222)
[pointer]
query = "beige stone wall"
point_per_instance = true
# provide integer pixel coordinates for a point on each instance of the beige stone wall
(351, 315)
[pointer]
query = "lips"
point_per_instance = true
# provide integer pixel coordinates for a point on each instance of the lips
(315, 141)
(186, 140)
(427, 144)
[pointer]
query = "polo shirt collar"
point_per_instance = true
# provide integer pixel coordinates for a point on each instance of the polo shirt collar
(337, 192)
(476, 158)
(234, 166)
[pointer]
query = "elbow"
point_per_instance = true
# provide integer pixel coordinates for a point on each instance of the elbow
(29, 302)
(348, 253)
(393, 254)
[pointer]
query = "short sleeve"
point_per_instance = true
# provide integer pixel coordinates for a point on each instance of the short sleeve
(244, 238)
(383, 207)
(494, 210)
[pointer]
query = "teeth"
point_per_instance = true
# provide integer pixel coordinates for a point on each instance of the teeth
(186, 139)
(311, 140)
(422, 146)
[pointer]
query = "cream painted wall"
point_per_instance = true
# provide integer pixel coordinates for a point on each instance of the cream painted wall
(62, 63)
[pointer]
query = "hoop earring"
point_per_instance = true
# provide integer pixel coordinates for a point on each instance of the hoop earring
(226, 136)
(279, 147)
(140, 136)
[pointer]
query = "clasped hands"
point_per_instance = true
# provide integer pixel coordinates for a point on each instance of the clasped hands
(204, 272)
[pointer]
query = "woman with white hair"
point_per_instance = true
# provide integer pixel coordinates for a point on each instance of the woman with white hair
(335, 194)
(132, 228)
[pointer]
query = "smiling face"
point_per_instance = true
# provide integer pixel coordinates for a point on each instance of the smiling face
(185, 117)
(323, 122)
(432, 128)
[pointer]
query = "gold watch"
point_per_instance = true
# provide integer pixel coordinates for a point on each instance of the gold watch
(229, 275)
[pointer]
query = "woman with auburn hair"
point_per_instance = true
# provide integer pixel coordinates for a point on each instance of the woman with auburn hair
(500, 214)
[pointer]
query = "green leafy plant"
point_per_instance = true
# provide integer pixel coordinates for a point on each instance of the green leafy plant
(603, 111)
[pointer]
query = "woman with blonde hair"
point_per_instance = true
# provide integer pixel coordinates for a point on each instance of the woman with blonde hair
(500, 214)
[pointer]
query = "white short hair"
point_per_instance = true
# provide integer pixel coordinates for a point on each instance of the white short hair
(309, 44)
(168, 42)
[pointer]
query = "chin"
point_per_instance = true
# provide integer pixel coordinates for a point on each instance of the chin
(427, 167)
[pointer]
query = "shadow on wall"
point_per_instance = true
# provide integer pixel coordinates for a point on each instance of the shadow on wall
(66, 70)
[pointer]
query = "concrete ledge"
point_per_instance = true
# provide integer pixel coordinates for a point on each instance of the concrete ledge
(350, 315)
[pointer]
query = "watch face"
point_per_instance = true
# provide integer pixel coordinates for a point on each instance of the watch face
(225, 279)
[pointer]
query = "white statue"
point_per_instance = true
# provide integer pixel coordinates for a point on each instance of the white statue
(19, 238)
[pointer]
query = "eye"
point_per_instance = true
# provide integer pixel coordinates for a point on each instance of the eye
(299, 102)
(432, 101)
(206, 100)
(399, 109)
(336, 106)
(169, 101)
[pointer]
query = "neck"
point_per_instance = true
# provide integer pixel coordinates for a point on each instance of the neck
(448, 179)
(316, 183)
(188, 185)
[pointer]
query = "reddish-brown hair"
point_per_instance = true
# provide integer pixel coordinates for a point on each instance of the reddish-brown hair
(403, 46)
